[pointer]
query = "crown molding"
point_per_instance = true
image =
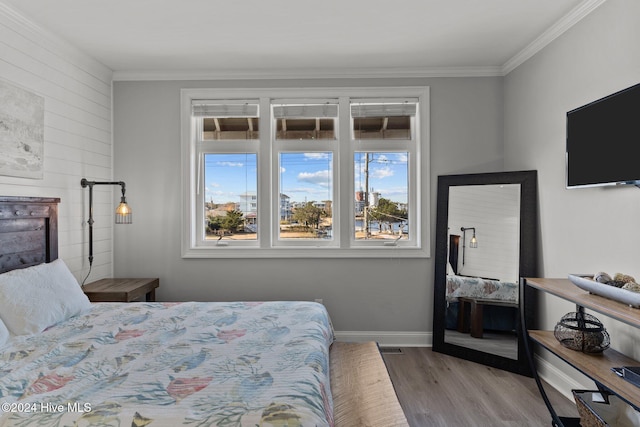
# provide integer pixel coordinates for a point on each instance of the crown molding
(326, 73)
(15, 16)
(552, 33)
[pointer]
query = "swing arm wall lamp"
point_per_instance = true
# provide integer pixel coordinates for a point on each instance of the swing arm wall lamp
(123, 211)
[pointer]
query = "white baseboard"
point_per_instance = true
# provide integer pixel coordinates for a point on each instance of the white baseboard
(558, 379)
(387, 338)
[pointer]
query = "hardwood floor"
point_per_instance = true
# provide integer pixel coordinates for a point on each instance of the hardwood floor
(439, 390)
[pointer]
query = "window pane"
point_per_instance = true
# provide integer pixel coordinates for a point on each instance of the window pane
(305, 129)
(381, 212)
(305, 121)
(230, 128)
(227, 120)
(231, 201)
(382, 128)
(306, 195)
(383, 120)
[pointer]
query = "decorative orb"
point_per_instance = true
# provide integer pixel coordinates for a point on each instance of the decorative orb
(632, 286)
(619, 277)
(602, 277)
(582, 332)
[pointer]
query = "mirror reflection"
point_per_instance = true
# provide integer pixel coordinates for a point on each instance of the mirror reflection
(482, 270)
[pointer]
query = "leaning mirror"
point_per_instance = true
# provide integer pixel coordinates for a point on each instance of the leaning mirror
(485, 241)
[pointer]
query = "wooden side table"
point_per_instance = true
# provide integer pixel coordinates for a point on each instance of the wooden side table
(121, 290)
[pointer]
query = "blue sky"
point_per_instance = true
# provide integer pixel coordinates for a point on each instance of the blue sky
(304, 176)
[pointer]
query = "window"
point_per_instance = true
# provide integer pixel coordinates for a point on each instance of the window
(382, 185)
(305, 172)
(226, 139)
(305, 143)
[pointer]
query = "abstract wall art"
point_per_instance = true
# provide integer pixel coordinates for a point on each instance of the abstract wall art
(21, 132)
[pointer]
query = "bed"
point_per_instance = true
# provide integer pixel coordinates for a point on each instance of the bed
(499, 317)
(65, 361)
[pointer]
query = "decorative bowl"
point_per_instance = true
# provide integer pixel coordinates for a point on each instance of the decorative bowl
(617, 294)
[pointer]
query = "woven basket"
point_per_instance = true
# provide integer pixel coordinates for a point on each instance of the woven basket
(613, 413)
(588, 417)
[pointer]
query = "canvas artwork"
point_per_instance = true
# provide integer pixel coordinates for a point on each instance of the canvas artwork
(21, 132)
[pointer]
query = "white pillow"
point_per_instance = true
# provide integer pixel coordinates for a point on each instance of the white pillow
(34, 298)
(449, 269)
(4, 333)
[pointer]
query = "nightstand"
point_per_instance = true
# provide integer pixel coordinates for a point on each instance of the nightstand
(121, 290)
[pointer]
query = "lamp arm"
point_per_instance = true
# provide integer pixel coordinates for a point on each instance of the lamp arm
(85, 183)
(464, 239)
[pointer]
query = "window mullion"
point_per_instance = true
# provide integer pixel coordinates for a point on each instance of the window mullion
(199, 195)
(266, 193)
(345, 167)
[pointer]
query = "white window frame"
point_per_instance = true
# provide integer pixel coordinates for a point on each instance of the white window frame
(344, 244)
(306, 146)
(410, 146)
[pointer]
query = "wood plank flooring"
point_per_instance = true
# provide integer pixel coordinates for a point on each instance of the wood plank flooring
(443, 391)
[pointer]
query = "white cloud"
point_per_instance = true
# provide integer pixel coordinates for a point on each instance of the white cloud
(318, 178)
(232, 164)
(316, 156)
(381, 173)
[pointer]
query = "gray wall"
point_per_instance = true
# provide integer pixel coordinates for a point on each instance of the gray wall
(582, 230)
(360, 294)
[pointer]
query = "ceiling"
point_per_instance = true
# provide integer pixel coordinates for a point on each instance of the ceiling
(304, 38)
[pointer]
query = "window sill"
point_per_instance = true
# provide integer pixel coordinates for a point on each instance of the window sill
(316, 252)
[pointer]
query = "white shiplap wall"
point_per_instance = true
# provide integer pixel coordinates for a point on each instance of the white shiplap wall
(77, 134)
(494, 210)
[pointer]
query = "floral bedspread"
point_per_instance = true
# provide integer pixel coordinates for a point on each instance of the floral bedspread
(477, 287)
(194, 364)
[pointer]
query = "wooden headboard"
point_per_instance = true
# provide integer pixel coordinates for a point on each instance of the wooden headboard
(28, 231)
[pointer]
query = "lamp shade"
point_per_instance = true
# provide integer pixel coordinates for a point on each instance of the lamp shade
(123, 212)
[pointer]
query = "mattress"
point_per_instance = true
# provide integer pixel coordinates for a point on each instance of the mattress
(172, 364)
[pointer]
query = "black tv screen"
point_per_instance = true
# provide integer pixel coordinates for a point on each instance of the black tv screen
(603, 139)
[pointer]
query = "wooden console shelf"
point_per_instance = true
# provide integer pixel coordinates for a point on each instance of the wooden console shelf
(563, 288)
(595, 366)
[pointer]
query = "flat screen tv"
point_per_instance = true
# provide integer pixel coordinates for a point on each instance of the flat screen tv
(603, 140)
